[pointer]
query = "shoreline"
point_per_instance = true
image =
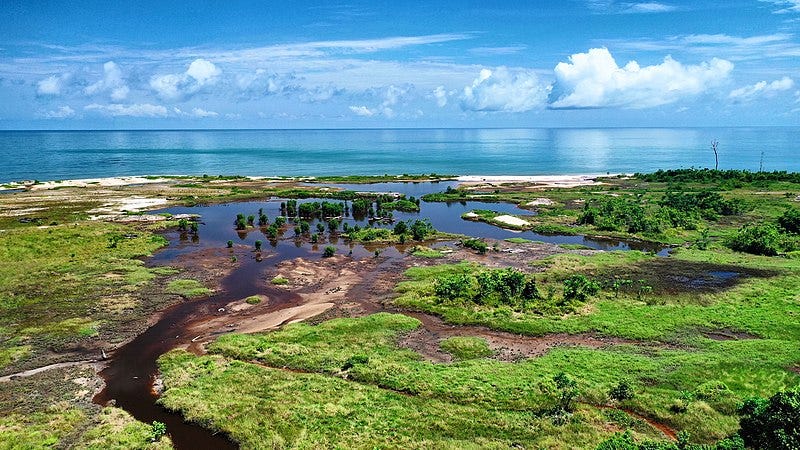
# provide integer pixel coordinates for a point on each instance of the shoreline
(566, 180)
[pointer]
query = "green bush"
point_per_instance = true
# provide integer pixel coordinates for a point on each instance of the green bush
(580, 288)
(453, 287)
(329, 251)
(759, 239)
(475, 244)
(621, 391)
(790, 220)
(772, 423)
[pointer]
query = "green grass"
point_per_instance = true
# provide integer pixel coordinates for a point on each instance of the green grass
(421, 251)
(517, 240)
(279, 281)
(347, 371)
(253, 300)
(466, 347)
(50, 410)
(188, 288)
(54, 282)
(363, 352)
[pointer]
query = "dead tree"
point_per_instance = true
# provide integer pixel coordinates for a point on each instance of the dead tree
(714, 145)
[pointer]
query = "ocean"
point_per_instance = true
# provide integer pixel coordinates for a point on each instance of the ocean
(58, 155)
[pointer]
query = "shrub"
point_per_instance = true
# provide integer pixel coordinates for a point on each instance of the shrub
(230, 244)
(253, 300)
(772, 423)
(157, 431)
(333, 225)
(790, 220)
(420, 229)
(475, 244)
(452, 287)
(329, 251)
(580, 288)
(240, 222)
(621, 391)
(400, 228)
(258, 246)
(760, 239)
(182, 224)
(279, 281)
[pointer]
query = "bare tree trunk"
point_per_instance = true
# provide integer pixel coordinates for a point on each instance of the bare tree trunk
(714, 145)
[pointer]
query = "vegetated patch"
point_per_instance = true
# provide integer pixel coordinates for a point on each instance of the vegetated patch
(466, 347)
(253, 300)
(421, 251)
(725, 334)
(498, 219)
(279, 280)
(55, 409)
(188, 288)
(518, 240)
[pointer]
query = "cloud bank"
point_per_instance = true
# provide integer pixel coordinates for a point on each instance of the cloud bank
(504, 90)
(594, 80)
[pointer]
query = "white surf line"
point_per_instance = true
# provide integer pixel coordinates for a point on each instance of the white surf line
(28, 373)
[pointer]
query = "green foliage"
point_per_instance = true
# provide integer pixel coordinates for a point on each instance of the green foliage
(452, 287)
(230, 244)
(619, 214)
(717, 176)
(625, 441)
(420, 229)
(790, 220)
(466, 347)
(240, 222)
(708, 204)
(621, 391)
(279, 280)
(157, 431)
(772, 423)
(400, 228)
(579, 288)
(760, 239)
(401, 205)
(475, 244)
(188, 288)
(258, 246)
(253, 300)
(329, 251)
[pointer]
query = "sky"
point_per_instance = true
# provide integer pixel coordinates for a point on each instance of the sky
(373, 64)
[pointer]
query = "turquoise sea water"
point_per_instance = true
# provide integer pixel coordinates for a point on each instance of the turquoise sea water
(55, 155)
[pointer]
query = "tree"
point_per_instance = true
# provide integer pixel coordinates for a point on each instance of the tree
(772, 423)
(714, 145)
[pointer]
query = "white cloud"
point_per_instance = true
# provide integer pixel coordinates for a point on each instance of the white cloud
(200, 73)
(505, 90)
(133, 110)
(495, 51)
(199, 112)
(734, 48)
(63, 112)
(616, 7)
(363, 111)
(761, 89)
(649, 7)
(593, 80)
(52, 85)
(111, 83)
(785, 6)
(440, 94)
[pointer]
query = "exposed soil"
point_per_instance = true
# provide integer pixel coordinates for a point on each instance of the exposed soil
(726, 334)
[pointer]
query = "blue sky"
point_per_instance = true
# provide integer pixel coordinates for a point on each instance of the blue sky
(303, 64)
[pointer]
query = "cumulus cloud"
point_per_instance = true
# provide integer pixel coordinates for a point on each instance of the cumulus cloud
(440, 94)
(63, 112)
(200, 73)
(112, 83)
(133, 110)
(198, 113)
(594, 80)
(392, 95)
(761, 89)
(505, 90)
(363, 111)
(53, 85)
